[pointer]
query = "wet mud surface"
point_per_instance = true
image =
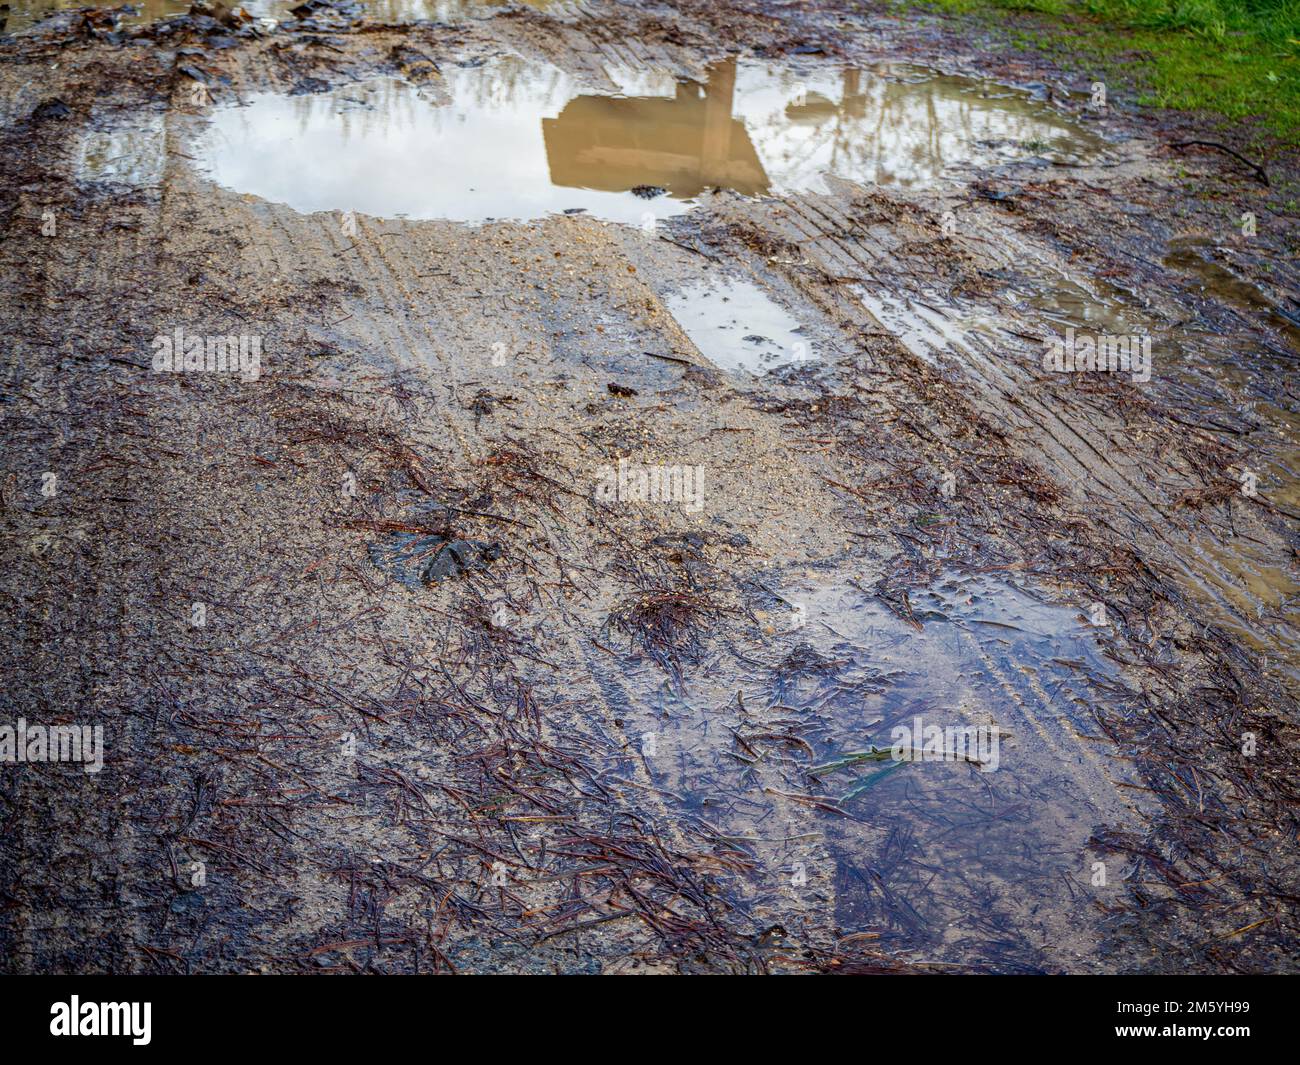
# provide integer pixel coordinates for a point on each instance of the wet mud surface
(651, 425)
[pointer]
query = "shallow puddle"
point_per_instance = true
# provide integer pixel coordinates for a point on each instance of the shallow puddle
(24, 13)
(519, 139)
(921, 329)
(127, 153)
(983, 857)
(1241, 346)
(1069, 305)
(383, 148)
(737, 326)
(908, 127)
(1244, 347)
(1212, 279)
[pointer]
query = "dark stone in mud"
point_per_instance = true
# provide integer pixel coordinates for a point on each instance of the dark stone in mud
(304, 86)
(415, 558)
(694, 540)
(233, 17)
(189, 900)
(988, 191)
(460, 556)
(312, 7)
(704, 376)
(486, 403)
(414, 65)
(648, 192)
(51, 109)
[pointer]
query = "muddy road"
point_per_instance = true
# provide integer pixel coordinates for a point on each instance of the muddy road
(519, 490)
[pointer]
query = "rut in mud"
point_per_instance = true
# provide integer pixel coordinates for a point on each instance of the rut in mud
(640, 422)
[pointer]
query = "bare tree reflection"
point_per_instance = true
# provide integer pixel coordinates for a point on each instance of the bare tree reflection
(757, 127)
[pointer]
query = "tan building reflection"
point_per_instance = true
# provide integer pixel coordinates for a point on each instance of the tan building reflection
(685, 144)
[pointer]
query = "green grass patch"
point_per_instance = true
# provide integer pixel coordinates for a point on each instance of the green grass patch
(1238, 58)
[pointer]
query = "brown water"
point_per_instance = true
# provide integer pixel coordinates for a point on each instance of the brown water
(520, 139)
(1241, 346)
(24, 13)
(1230, 365)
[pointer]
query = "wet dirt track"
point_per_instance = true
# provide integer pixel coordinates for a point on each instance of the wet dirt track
(456, 703)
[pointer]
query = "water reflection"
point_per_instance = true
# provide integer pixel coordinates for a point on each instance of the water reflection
(24, 13)
(881, 127)
(980, 868)
(738, 327)
(129, 153)
(520, 139)
(683, 144)
(471, 149)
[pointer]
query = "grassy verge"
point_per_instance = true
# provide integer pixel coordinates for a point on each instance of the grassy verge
(1238, 58)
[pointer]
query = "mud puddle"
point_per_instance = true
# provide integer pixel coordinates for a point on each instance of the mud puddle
(1243, 346)
(1239, 343)
(781, 750)
(127, 153)
(920, 327)
(520, 139)
(892, 125)
(739, 327)
(25, 13)
(487, 146)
